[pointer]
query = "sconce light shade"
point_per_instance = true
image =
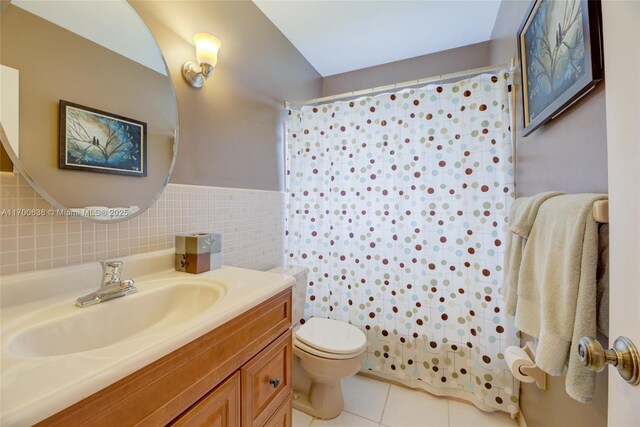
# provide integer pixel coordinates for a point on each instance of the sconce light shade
(207, 47)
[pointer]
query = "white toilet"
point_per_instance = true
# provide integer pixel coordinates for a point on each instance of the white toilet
(325, 352)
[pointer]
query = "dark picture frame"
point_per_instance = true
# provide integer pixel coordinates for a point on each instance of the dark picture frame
(92, 140)
(560, 63)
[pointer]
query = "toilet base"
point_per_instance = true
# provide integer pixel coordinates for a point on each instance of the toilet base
(318, 403)
(317, 388)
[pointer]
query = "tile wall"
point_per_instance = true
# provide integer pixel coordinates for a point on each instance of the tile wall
(250, 221)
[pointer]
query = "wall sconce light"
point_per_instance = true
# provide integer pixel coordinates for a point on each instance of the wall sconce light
(207, 47)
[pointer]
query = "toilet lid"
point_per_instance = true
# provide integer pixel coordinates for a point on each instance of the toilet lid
(331, 336)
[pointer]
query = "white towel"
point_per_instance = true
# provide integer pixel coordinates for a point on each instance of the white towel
(522, 216)
(557, 287)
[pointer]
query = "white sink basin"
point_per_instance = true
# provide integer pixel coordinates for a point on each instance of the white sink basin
(107, 323)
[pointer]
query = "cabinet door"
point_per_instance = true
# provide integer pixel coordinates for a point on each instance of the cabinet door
(282, 416)
(219, 408)
(266, 382)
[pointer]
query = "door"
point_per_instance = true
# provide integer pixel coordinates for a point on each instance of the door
(622, 73)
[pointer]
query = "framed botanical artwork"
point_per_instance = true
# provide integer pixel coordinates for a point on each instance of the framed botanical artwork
(96, 141)
(560, 50)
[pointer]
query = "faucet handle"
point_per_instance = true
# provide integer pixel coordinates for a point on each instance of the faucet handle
(111, 271)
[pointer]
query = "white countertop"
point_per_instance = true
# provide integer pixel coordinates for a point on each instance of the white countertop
(34, 388)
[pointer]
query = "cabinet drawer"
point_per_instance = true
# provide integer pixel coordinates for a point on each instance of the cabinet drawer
(219, 408)
(266, 382)
(283, 415)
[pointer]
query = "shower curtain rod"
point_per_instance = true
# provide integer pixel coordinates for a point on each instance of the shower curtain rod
(441, 77)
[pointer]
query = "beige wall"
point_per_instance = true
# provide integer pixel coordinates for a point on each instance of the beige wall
(448, 61)
(567, 154)
(231, 129)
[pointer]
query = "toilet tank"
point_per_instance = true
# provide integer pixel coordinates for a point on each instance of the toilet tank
(299, 289)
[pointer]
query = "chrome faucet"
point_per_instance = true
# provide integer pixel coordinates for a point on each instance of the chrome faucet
(111, 287)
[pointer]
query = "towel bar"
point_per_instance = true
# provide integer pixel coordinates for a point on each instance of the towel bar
(601, 211)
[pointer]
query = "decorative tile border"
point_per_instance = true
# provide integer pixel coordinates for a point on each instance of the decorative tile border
(250, 221)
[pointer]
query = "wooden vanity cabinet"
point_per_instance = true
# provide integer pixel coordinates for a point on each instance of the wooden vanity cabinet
(237, 375)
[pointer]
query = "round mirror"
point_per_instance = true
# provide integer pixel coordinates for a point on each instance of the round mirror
(89, 114)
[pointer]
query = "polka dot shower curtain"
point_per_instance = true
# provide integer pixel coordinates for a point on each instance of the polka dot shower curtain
(397, 203)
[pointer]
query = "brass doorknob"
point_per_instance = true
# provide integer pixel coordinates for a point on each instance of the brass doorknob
(624, 356)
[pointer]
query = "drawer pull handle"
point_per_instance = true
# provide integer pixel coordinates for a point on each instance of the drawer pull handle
(275, 382)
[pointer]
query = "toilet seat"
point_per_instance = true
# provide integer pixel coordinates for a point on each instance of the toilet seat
(330, 339)
(299, 345)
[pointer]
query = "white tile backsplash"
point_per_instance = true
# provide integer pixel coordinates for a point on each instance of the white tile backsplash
(250, 221)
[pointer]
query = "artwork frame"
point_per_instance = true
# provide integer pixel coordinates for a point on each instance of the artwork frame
(576, 54)
(122, 151)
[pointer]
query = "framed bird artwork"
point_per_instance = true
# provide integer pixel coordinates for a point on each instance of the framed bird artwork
(560, 52)
(96, 141)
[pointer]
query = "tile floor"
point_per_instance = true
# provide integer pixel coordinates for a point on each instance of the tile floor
(372, 403)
